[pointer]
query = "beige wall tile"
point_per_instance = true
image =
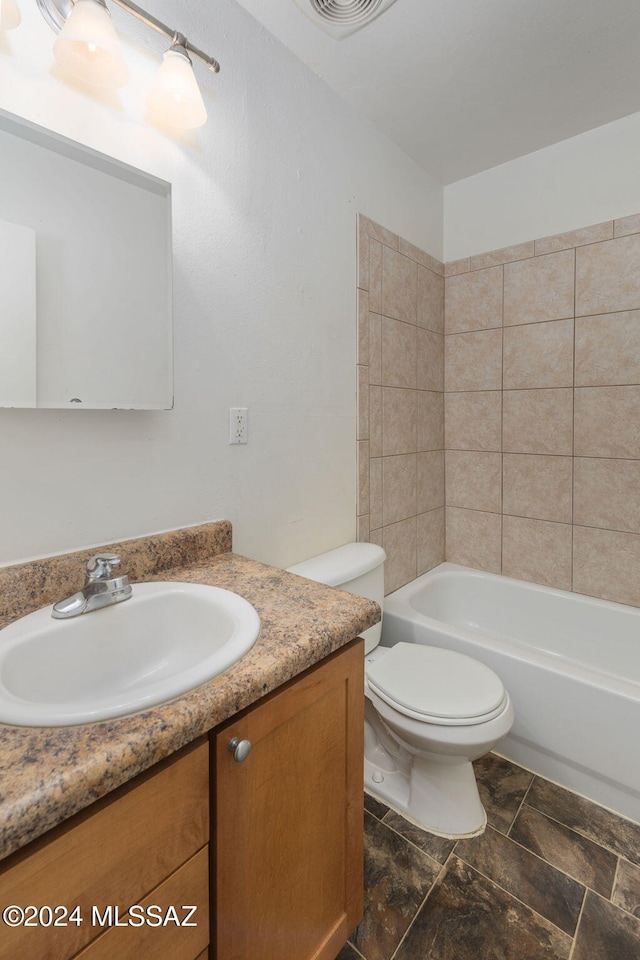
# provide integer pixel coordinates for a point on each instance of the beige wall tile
(574, 238)
(473, 421)
(430, 420)
(539, 289)
(602, 561)
(375, 536)
(626, 225)
(474, 480)
(375, 493)
(399, 421)
(375, 348)
(430, 540)
(608, 349)
(398, 488)
(538, 421)
(375, 421)
(473, 361)
(399, 543)
(538, 487)
(362, 529)
(399, 286)
(519, 251)
(538, 551)
(420, 256)
(538, 355)
(607, 494)
(363, 403)
(363, 259)
(474, 539)
(430, 300)
(607, 422)
(375, 276)
(430, 481)
(363, 327)
(473, 301)
(399, 353)
(608, 276)
(430, 360)
(363, 477)
(378, 232)
(455, 267)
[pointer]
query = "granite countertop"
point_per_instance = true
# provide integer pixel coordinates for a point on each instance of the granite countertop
(48, 774)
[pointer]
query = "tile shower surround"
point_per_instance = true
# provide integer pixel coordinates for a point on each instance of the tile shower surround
(540, 378)
(400, 402)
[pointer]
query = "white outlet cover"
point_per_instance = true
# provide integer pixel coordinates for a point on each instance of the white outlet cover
(341, 18)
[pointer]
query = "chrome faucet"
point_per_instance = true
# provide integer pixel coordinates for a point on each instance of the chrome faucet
(101, 589)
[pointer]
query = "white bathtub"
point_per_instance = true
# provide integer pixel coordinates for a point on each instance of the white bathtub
(571, 665)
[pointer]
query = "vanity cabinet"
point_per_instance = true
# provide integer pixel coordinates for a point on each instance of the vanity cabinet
(144, 844)
(287, 860)
(282, 876)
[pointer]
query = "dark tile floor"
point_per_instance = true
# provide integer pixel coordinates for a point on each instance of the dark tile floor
(554, 877)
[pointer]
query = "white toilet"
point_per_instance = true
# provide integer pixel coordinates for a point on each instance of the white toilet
(428, 713)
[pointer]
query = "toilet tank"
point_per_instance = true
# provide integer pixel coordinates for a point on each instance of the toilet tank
(355, 567)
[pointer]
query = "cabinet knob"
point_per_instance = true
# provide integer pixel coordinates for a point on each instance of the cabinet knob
(240, 749)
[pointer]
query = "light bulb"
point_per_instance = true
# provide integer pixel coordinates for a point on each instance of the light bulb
(174, 98)
(88, 48)
(10, 16)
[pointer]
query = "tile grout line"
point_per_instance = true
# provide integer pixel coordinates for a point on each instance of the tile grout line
(575, 936)
(584, 835)
(520, 806)
(436, 880)
(518, 899)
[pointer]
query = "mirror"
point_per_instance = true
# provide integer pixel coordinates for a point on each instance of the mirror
(85, 277)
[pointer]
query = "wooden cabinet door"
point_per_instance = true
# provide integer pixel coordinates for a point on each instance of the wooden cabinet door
(287, 849)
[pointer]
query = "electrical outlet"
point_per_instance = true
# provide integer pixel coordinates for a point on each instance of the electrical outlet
(238, 425)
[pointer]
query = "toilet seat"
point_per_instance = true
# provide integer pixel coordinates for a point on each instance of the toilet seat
(436, 685)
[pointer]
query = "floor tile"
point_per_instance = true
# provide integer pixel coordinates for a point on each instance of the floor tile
(467, 917)
(567, 850)
(437, 847)
(348, 953)
(626, 892)
(524, 875)
(606, 932)
(397, 879)
(502, 787)
(600, 825)
(375, 806)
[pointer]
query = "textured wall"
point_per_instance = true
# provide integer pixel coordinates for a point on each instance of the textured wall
(264, 203)
(542, 410)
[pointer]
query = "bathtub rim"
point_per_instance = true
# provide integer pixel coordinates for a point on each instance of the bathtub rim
(398, 603)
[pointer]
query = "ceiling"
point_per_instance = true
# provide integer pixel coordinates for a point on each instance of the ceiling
(464, 85)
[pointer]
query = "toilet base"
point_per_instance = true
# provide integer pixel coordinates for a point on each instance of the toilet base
(439, 797)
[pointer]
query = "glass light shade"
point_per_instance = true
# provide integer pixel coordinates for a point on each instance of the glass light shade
(10, 16)
(175, 97)
(88, 48)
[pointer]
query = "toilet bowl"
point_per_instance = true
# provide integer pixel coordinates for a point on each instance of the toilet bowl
(429, 712)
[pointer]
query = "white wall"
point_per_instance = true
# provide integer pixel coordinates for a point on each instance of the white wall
(265, 202)
(587, 179)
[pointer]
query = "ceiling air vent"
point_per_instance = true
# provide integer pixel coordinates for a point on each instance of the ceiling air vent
(339, 18)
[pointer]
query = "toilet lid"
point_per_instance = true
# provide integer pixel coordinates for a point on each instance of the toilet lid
(441, 685)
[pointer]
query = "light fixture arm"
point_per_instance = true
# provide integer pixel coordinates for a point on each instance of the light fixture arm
(173, 35)
(56, 12)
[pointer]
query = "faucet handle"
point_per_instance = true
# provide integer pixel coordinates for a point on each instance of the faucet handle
(101, 566)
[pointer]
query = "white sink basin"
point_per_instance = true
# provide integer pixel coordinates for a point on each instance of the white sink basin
(167, 639)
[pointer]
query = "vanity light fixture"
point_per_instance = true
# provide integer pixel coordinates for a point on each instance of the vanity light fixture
(88, 48)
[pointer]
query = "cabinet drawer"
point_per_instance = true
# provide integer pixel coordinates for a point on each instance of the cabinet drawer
(113, 853)
(188, 886)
